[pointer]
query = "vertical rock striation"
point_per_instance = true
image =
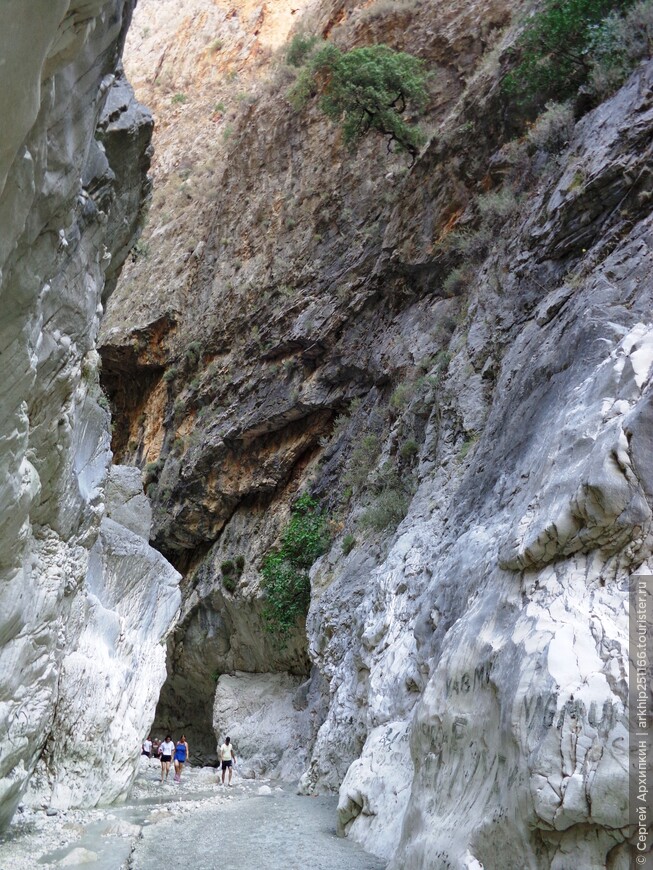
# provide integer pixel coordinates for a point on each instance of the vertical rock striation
(70, 627)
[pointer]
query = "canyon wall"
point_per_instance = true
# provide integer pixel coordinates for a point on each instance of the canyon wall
(85, 601)
(496, 727)
(474, 427)
(452, 355)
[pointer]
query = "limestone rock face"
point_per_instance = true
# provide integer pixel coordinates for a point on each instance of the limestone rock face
(124, 132)
(126, 503)
(496, 727)
(70, 611)
(265, 715)
(273, 320)
(109, 684)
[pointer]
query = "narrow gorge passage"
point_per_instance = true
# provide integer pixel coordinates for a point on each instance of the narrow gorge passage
(326, 423)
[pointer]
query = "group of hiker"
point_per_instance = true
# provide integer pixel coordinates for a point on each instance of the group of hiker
(165, 750)
(169, 752)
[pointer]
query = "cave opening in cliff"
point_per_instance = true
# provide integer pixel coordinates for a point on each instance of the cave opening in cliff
(185, 706)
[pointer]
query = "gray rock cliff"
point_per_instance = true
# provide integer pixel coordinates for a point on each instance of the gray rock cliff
(84, 600)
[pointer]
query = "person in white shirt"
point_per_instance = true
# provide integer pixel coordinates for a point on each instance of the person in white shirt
(165, 754)
(146, 748)
(227, 757)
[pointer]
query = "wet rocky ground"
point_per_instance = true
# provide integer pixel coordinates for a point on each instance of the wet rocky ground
(197, 824)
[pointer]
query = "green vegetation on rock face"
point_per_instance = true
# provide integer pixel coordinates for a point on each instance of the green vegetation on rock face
(363, 460)
(555, 49)
(348, 543)
(365, 89)
(301, 45)
(618, 44)
(285, 571)
(390, 492)
(231, 571)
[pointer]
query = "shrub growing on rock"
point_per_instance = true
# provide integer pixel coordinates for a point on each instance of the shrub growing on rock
(384, 8)
(409, 449)
(170, 374)
(348, 543)
(401, 396)
(553, 51)
(193, 353)
(231, 570)
(152, 471)
(285, 570)
(392, 490)
(301, 45)
(366, 89)
(553, 129)
(457, 281)
(617, 45)
(388, 509)
(363, 459)
(229, 582)
(497, 207)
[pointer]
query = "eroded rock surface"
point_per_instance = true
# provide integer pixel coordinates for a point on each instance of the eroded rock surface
(270, 719)
(72, 611)
(109, 684)
(515, 579)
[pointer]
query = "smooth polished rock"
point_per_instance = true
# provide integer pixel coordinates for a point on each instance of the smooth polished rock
(126, 503)
(110, 682)
(267, 730)
(61, 563)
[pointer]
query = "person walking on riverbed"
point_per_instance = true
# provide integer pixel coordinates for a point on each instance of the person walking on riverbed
(165, 753)
(228, 758)
(181, 754)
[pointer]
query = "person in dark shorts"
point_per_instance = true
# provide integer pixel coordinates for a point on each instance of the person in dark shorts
(146, 748)
(181, 754)
(165, 754)
(228, 758)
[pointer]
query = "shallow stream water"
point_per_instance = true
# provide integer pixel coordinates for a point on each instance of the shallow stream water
(197, 824)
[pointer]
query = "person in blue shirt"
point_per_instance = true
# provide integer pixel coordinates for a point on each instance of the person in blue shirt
(181, 755)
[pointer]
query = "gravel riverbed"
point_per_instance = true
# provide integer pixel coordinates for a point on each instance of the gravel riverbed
(197, 824)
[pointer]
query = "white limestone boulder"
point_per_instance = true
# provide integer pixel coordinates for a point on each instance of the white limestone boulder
(265, 717)
(110, 683)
